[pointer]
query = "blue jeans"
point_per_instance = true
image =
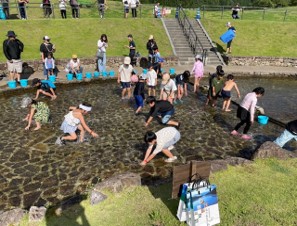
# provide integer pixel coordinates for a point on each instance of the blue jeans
(167, 115)
(102, 63)
(285, 137)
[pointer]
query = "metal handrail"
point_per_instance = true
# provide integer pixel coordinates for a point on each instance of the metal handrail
(189, 32)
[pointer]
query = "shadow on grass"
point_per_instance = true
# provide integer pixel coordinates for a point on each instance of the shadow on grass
(163, 192)
(69, 212)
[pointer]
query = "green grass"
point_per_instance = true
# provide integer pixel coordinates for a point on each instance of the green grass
(259, 194)
(81, 36)
(257, 38)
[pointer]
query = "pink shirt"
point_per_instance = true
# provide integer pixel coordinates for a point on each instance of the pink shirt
(249, 103)
(198, 69)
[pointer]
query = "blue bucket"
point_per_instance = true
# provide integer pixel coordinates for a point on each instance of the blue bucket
(104, 73)
(12, 84)
(79, 76)
(24, 82)
(171, 71)
(96, 74)
(263, 119)
(69, 77)
(88, 75)
(52, 78)
(111, 74)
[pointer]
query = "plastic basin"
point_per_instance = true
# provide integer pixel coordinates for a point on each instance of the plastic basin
(11, 84)
(69, 77)
(24, 82)
(263, 119)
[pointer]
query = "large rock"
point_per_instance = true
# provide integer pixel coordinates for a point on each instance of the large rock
(36, 213)
(11, 217)
(270, 149)
(222, 164)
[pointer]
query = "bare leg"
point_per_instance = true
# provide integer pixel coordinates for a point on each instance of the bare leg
(47, 94)
(129, 93)
(82, 133)
(38, 126)
(123, 93)
(228, 105)
(172, 123)
(11, 75)
(167, 153)
(72, 136)
(224, 105)
(18, 77)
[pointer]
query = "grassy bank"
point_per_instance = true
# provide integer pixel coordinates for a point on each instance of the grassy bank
(256, 38)
(81, 36)
(259, 194)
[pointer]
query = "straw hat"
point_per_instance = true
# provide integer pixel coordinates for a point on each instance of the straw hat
(74, 56)
(127, 60)
(151, 37)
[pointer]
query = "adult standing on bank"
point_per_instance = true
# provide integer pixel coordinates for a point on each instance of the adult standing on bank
(12, 49)
(132, 48)
(150, 46)
(134, 4)
(46, 48)
(102, 44)
(230, 27)
(22, 8)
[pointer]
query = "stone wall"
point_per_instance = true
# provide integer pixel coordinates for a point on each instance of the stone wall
(263, 61)
(112, 62)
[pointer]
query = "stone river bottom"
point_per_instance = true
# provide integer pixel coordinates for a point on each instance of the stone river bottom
(35, 171)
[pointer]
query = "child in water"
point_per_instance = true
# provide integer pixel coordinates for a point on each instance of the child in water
(226, 92)
(198, 70)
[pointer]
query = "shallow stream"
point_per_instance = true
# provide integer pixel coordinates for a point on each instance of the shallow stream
(35, 171)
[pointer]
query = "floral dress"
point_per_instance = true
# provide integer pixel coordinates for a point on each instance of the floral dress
(42, 112)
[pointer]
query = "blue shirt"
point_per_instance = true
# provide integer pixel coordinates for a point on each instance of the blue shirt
(46, 84)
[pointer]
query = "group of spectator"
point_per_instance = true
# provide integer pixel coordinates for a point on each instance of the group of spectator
(130, 4)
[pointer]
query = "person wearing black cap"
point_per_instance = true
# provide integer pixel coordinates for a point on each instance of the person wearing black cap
(132, 48)
(46, 48)
(12, 49)
(216, 84)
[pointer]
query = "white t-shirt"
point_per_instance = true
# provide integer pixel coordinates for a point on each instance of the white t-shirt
(74, 64)
(165, 138)
(102, 46)
(125, 72)
(169, 86)
(151, 77)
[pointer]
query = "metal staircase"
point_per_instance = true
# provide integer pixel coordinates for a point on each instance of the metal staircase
(189, 38)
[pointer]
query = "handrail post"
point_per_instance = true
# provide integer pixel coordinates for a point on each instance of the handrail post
(263, 17)
(203, 11)
(222, 12)
(285, 15)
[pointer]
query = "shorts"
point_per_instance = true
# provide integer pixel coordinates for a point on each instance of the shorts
(139, 101)
(126, 9)
(229, 44)
(226, 94)
(15, 66)
(166, 116)
(152, 87)
(126, 85)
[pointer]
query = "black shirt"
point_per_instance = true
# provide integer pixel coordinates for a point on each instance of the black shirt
(139, 89)
(12, 49)
(46, 49)
(132, 44)
(161, 106)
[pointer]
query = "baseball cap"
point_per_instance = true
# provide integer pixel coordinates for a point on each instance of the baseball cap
(46, 38)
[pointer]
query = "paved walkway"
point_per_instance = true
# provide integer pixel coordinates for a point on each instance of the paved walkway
(236, 70)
